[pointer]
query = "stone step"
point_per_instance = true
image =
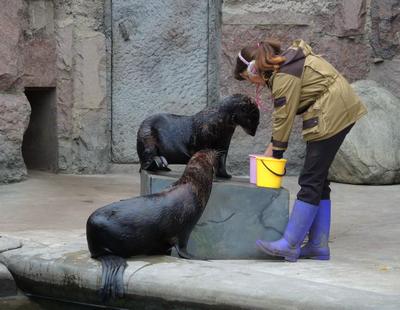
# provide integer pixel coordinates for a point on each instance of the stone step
(237, 214)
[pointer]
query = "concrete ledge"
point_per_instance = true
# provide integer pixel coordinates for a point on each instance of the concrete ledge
(59, 267)
(7, 283)
(237, 214)
(9, 243)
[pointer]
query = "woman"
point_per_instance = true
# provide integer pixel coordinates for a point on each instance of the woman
(305, 84)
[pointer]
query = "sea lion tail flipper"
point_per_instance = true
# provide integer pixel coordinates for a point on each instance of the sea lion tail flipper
(184, 254)
(112, 284)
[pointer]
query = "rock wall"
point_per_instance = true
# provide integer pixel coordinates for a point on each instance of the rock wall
(162, 62)
(361, 38)
(67, 45)
(14, 107)
(385, 42)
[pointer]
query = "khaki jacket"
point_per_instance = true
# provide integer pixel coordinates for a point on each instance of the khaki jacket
(307, 84)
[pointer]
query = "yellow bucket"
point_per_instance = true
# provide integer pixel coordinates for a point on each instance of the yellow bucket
(270, 171)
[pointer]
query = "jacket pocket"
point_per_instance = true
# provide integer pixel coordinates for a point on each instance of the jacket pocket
(313, 121)
(280, 108)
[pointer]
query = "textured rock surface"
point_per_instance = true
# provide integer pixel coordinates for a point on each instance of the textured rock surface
(160, 57)
(385, 19)
(262, 213)
(40, 48)
(387, 74)
(370, 154)
(11, 44)
(83, 114)
(90, 145)
(40, 63)
(14, 119)
(64, 83)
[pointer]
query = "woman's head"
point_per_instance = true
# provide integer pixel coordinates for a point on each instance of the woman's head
(264, 58)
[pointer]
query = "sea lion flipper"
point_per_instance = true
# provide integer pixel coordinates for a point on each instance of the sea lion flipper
(183, 253)
(221, 166)
(161, 163)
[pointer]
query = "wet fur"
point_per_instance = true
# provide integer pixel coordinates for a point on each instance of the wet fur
(178, 137)
(151, 224)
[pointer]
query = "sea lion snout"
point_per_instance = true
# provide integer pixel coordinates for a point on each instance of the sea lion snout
(247, 114)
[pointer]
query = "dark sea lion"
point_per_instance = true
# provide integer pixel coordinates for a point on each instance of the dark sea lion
(151, 224)
(164, 139)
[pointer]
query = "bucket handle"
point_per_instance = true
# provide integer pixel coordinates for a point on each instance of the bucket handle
(273, 172)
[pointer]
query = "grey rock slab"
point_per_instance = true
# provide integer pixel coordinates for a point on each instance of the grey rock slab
(83, 115)
(370, 153)
(260, 213)
(160, 64)
(63, 269)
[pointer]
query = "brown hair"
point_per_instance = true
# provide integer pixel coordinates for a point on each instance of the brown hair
(266, 55)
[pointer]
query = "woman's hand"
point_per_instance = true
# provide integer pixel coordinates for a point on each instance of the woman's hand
(268, 151)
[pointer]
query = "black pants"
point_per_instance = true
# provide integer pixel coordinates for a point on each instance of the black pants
(313, 178)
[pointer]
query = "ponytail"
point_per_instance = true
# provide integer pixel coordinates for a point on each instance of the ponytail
(268, 58)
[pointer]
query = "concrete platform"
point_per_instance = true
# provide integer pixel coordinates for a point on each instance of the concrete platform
(262, 213)
(59, 266)
(363, 273)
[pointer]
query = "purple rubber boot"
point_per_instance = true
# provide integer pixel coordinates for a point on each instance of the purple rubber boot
(299, 224)
(317, 246)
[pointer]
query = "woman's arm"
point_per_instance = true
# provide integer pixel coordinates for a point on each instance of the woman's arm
(286, 93)
(268, 151)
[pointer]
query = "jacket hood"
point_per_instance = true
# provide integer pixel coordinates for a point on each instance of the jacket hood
(297, 51)
(307, 50)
